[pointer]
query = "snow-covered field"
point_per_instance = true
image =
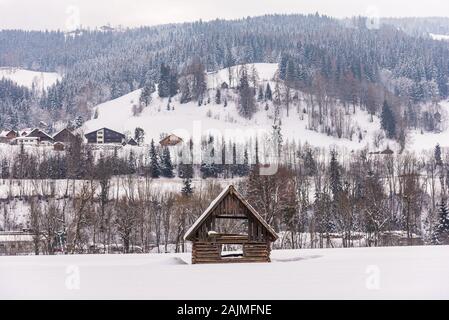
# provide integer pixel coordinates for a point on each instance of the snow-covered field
(359, 273)
(27, 78)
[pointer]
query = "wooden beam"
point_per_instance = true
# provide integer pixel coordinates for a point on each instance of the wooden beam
(231, 217)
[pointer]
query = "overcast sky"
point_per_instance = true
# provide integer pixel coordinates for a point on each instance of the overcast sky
(66, 14)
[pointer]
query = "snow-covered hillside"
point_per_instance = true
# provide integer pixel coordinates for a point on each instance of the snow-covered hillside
(189, 119)
(420, 141)
(27, 78)
(357, 273)
(265, 72)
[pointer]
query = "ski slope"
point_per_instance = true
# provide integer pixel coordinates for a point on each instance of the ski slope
(27, 78)
(356, 273)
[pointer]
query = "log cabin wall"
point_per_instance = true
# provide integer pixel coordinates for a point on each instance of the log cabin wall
(210, 252)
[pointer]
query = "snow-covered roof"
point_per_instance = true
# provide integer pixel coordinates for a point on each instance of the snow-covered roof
(4, 133)
(62, 130)
(216, 201)
(25, 131)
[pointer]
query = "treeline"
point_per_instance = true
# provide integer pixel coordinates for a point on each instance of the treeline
(15, 104)
(367, 200)
(319, 199)
(82, 161)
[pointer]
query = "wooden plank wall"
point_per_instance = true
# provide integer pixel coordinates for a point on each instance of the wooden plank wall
(209, 252)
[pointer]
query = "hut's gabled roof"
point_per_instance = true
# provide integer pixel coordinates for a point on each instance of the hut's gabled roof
(228, 190)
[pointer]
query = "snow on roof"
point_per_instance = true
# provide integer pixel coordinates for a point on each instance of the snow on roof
(4, 133)
(217, 200)
(41, 131)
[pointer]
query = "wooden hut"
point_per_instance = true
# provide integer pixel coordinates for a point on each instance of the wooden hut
(230, 223)
(6, 136)
(105, 135)
(171, 140)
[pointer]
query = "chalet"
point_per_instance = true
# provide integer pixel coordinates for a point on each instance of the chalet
(25, 132)
(170, 140)
(105, 135)
(230, 223)
(65, 136)
(7, 136)
(41, 135)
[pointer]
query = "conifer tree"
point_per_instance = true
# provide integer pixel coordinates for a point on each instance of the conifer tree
(268, 93)
(139, 135)
(388, 121)
(218, 97)
(246, 106)
(335, 175)
(441, 232)
(187, 188)
(438, 159)
(260, 95)
(164, 81)
(167, 166)
(145, 95)
(155, 170)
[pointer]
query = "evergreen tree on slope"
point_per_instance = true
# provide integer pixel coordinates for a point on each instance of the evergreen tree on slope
(155, 170)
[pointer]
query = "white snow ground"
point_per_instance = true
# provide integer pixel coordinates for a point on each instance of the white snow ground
(358, 273)
(41, 80)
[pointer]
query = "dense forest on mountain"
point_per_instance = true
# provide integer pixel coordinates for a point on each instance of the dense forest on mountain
(345, 60)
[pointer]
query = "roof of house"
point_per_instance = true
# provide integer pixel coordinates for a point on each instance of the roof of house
(171, 138)
(25, 131)
(60, 131)
(216, 201)
(4, 133)
(102, 129)
(39, 131)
